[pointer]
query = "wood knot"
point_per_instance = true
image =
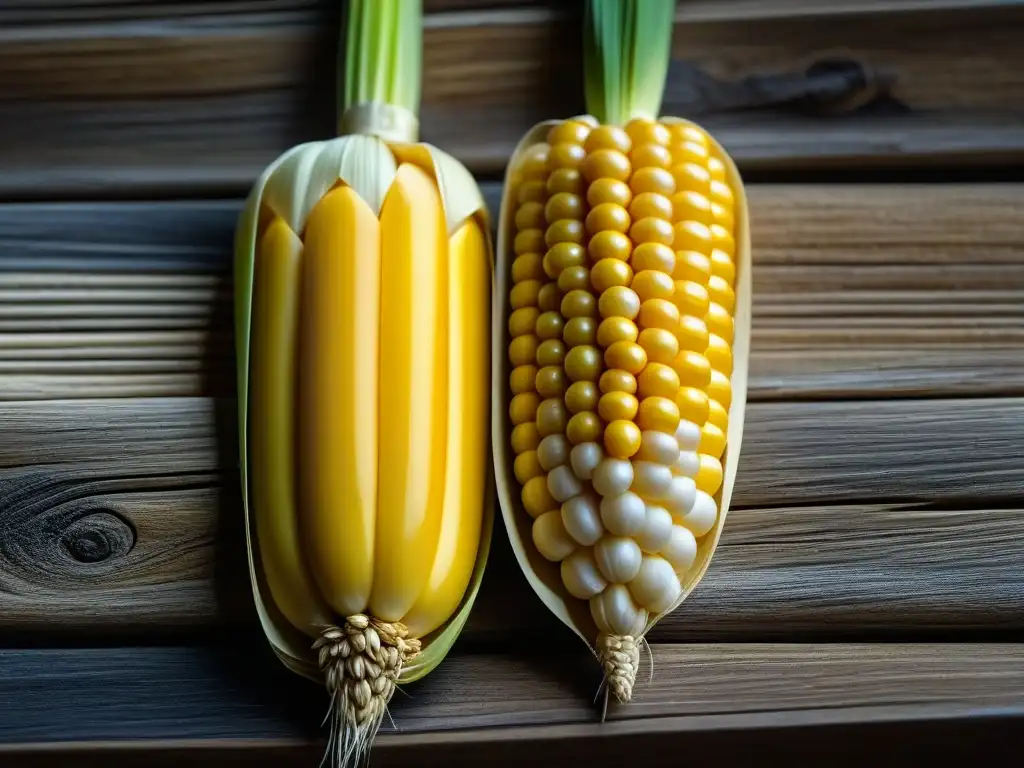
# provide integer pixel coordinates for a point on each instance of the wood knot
(97, 536)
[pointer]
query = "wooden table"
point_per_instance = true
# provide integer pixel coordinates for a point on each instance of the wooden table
(867, 600)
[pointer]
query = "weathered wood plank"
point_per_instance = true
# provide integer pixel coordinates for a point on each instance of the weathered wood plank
(785, 698)
(853, 520)
(185, 99)
(859, 291)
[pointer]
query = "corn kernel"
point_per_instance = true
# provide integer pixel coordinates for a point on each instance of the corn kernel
(579, 303)
(690, 298)
(609, 245)
(723, 241)
(573, 279)
(534, 162)
(549, 297)
(523, 320)
(656, 256)
(660, 345)
(691, 236)
(536, 498)
(579, 331)
(618, 301)
(582, 396)
(551, 352)
(658, 313)
(606, 164)
(691, 206)
(720, 322)
(621, 439)
(530, 215)
(583, 363)
(692, 405)
(627, 355)
(549, 326)
(569, 132)
(568, 180)
(690, 152)
(550, 381)
(608, 137)
(658, 380)
(522, 378)
(608, 273)
(719, 388)
(712, 441)
(721, 263)
(651, 155)
(529, 241)
(523, 350)
(563, 256)
(650, 204)
(656, 180)
(564, 231)
(693, 369)
(525, 436)
(721, 293)
(691, 332)
(653, 284)
(719, 354)
(607, 216)
(584, 427)
(658, 413)
(533, 191)
(551, 417)
(691, 176)
(717, 415)
(528, 266)
(523, 407)
(609, 191)
(693, 266)
(563, 205)
(527, 466)
(652, 230)
(614, 406)
(709, 476)
(643, 130)
(565, 155)
(617, 380)
(524, 294)
(716, 168)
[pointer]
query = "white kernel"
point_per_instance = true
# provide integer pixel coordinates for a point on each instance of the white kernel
(612, 476)
(563, 484)
(681, 495)
(582, 519)
(580, 575)
(584, 459)
(687, 435)
(701, 517)
(657, 529)
(656, 585)
(681, 550)
(650, 480)
(623, 515)
(551, 538)
(615, 612)
(553, 451)
(618, 557)
(659, 447)
(686, 464)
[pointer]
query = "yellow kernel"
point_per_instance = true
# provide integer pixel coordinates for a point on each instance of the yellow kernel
(619, 301)
(692, 334)
(584, 427)
(709, 475)
(609, 191)
(691, 176)
(712, 441)
(608, 216)
(691, 236)
(563, 205)
(716, 169)
(693, 266)
(549, 325)
(717, 414)
(655, 180)
(690, 152)
(522, 378)
(528, 266)
(693, 405)
(523, 320)
(588, 120)
(529, 241)
(564, 231)
(660, 345)
(719, 388)
(627, 355)
(523, 350)
(567, 180)
(583, 363)
(581, 396)
(659, 414)
(533, 163)
(621, 439)
(617, 380)
(524, 294)
(650, 204)
(719, 354)
(651, 156)
(574, 278)
(722, 240)
(563, 255)
(525, 436)
(536, 497)
(723, 216)
(568, 131)
(720, 322)
(550, 381)
(579, 303)
(721, 193)
(565, 155)
(608, 273)
(549, 298)
(527, 466)
(657, 256)
(653, 284)
(657, 380)
(551, 417)
(608, 137)
(551, 352)
(523, 407)
(692, 368)
(533, 191)
(609, 245)
(687, 132)
(617, 405)
(606, 164)
(614, 329)
(721, 293)
(651, 230)
(691, 298)
(658, 313)
(691, 206)
(643, 130)
(579, 331)
(530, 216)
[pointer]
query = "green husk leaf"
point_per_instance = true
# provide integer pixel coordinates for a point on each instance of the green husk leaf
(626, 50)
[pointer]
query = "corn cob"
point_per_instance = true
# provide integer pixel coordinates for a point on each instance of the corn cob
(627, 346)
(363, 293)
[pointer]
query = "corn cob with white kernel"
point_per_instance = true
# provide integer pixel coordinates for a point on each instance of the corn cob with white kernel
(624, 310)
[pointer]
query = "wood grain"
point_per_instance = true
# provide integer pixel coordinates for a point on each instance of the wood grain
(476, 705)
(853, 519)
(185, 97)
(882, 290)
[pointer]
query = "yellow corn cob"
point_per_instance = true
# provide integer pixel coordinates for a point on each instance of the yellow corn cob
(363, 278)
